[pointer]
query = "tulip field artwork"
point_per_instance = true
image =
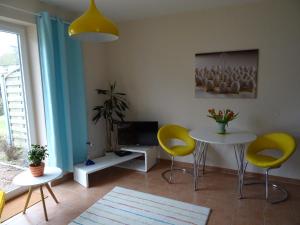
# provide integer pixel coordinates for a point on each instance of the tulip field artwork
(231, 74)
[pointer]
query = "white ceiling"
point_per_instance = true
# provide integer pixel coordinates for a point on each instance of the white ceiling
(124, 10)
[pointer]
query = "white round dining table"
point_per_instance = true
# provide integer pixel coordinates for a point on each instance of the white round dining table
(237, 138)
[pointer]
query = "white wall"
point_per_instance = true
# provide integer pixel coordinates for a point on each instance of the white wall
(154, 63)
(95, 75)
(31, 6)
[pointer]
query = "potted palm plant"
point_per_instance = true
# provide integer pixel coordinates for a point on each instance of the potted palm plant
(36, 155)
(112, 110)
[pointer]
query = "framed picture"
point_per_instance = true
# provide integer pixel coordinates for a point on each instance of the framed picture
(231, 74)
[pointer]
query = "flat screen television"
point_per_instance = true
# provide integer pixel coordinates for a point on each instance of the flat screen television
(142, 133)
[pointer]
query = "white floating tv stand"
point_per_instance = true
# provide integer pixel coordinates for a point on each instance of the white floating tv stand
(142, 159)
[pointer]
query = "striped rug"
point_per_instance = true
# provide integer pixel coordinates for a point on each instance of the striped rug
(125, 206)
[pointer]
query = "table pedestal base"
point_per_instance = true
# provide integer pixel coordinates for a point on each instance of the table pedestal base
(239, 150)
(42, 197)
(200, 159)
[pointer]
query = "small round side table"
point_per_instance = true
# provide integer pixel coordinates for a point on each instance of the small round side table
(26, 179)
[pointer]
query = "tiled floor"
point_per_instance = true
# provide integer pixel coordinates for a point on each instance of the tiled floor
(217, 191)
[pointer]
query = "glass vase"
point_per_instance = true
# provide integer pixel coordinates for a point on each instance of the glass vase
(221, 128)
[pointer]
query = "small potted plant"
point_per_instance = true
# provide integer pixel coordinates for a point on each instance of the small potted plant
(36, 155)
(222, 118)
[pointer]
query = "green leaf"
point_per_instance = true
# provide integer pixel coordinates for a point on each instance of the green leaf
(101, 91)
(114, 105)
(37, 154)
(119, 93)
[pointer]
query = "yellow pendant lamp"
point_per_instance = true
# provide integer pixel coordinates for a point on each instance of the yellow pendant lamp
(93, 26)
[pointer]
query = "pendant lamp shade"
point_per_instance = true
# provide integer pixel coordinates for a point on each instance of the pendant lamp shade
(93, 26)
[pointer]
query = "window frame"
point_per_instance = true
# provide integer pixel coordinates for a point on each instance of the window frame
(26, 79)
(27, 89)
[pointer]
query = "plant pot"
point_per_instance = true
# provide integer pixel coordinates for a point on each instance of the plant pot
(221, 128)
(37, 171)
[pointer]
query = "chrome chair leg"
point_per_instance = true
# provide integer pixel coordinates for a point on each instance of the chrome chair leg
(282, 190)
(267, 184)
(276, 187)
(172, 169)
(172, 166)
(195, 171)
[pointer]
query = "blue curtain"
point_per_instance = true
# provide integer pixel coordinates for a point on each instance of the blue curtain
(63, 93)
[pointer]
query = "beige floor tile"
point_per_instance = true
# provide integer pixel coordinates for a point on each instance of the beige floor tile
(217, 191)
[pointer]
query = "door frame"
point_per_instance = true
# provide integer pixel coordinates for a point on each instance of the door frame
(27, 90)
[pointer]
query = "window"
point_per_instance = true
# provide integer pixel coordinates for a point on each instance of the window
(16, 114)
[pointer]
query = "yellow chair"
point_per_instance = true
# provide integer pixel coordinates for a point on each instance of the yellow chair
(2, 201)
(282, 142)
(171, 133)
